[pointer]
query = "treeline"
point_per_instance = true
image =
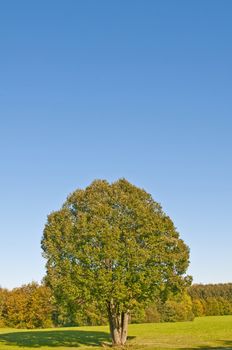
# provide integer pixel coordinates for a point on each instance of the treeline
(29, 306)
(211, 299)
(34, 306)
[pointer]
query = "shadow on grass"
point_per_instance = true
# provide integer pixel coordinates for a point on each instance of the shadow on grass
(77, 338)
(222, 345)
(68, 338)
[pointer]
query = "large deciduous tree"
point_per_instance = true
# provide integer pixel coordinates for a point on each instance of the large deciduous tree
(113, 244)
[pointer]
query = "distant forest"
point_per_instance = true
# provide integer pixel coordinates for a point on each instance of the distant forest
(211, 299)
(34, 306)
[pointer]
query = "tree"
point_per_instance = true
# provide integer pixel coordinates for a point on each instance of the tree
(112, 243)
(177, 308)
(29, 306)
(3, 296)
(198, 308)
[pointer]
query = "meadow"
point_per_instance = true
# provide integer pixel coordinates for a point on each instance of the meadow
(213, 332)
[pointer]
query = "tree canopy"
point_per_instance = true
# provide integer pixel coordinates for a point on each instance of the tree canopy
(112, 243)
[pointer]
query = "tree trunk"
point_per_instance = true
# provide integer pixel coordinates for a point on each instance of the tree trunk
(124, 329)
(118, 325)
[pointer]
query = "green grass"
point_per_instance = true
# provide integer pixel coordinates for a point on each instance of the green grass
(202, 333)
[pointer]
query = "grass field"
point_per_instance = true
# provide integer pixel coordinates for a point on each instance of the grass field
(203, 333)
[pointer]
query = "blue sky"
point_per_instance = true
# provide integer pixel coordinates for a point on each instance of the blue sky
(110, 89)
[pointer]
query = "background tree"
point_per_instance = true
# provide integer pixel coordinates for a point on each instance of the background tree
(3, 297)
(113, 244)
(29, 306)
(177, 308)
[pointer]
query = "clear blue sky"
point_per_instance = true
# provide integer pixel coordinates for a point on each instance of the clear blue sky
(110, 89)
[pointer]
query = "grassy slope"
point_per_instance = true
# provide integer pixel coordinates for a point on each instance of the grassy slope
(203, 333)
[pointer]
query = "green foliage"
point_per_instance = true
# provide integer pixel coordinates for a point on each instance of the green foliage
(177, 308)
(152, 314)
(204, 291)
(63, 316)
(112, 242)
(149, 314)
